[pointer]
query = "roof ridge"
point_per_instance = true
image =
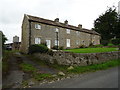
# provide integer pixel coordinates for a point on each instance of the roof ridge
(60, 24)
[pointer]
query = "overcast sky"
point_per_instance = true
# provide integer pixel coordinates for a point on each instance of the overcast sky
(75, 11)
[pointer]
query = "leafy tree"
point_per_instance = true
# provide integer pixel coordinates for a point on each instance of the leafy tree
(4, 39)
(107, 24)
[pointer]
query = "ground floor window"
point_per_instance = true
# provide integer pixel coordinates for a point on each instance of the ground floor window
(37, 40)
(68, 42)
(48, 42)
(77, 42)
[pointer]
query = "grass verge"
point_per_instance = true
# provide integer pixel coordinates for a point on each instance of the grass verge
(95, 67)
(36, 74)
(91, 50)
(5, 61)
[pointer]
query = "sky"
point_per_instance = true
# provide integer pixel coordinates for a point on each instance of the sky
(75, 11)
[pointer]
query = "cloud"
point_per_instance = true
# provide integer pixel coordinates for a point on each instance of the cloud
(75, 11)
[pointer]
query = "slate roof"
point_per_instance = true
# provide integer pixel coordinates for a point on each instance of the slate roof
(59, 24)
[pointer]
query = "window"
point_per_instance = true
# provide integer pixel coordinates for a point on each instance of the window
(77, 42)
(68, 42)
(77, 32)
(56, 30)
(37, 26)
(37, 40)
(48, 42)
(68, 31)
(56, 41)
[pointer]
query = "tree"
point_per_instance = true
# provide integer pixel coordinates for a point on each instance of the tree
(4, 39)
(107, 24)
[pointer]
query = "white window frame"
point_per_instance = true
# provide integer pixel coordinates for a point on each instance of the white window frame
(56, 42)
(77, 42)
(68, 42)
(77, 32)
(37, 26)
(37, 40)
(68, 31)
(56, 30)
(48, 42)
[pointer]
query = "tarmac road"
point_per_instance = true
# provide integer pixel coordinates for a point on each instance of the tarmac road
(100, 79)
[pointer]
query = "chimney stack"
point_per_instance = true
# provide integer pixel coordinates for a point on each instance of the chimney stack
(56, 20)
(80, 26)
(66, 22)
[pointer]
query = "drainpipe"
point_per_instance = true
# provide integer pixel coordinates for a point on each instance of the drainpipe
(57, 39)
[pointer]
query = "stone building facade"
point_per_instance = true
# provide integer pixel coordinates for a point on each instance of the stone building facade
(36, 30)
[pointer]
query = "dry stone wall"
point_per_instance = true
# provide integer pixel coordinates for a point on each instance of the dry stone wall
(78, 59)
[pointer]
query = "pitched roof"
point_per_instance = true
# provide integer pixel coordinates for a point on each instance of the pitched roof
(59, 24)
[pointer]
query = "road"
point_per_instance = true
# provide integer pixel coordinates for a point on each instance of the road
(100, 79)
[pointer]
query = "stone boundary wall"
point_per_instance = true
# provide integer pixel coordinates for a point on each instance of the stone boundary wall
(77, 59)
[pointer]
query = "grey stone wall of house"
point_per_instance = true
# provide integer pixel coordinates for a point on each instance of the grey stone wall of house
(47, 32)
(25, 35)
(78, 59)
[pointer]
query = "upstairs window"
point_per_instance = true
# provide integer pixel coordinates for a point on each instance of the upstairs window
(56, 30)
(77, 42)
(37, 26)
(68, 31)
(77, 32)
(37, 40)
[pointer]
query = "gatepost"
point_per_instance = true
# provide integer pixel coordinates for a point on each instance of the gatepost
(0, 60)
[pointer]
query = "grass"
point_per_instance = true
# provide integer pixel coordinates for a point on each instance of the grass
(27, 67)
(42, 76)
(5, 61)
(34, 72)
(91, 50)
(95, 67)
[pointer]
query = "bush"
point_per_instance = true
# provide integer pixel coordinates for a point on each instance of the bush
(55, 47)
(110, 44)
(99, 45)
(82, 46)
(44, 43)
(58, 48)
(61, 48)
(116, 41)
(105, 42)
(38, 48)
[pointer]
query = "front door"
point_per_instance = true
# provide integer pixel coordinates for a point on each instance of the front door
(48, 42)
(68, 42)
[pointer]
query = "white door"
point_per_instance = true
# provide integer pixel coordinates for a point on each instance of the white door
(48, 42)
(68, 42)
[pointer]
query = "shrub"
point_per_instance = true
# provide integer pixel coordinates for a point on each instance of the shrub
(38, 48)
(82, 46)
(44, 43)
(55, 47)
(58, 48)
(116, 41)
(61, 48)
(110, 44)
(99, 45)
(104, 42)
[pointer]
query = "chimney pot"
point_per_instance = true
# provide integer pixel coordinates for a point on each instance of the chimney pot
(80, 26)
(66, 22)
(56, 20)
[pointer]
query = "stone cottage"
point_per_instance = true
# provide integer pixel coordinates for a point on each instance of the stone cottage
(36, 30)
